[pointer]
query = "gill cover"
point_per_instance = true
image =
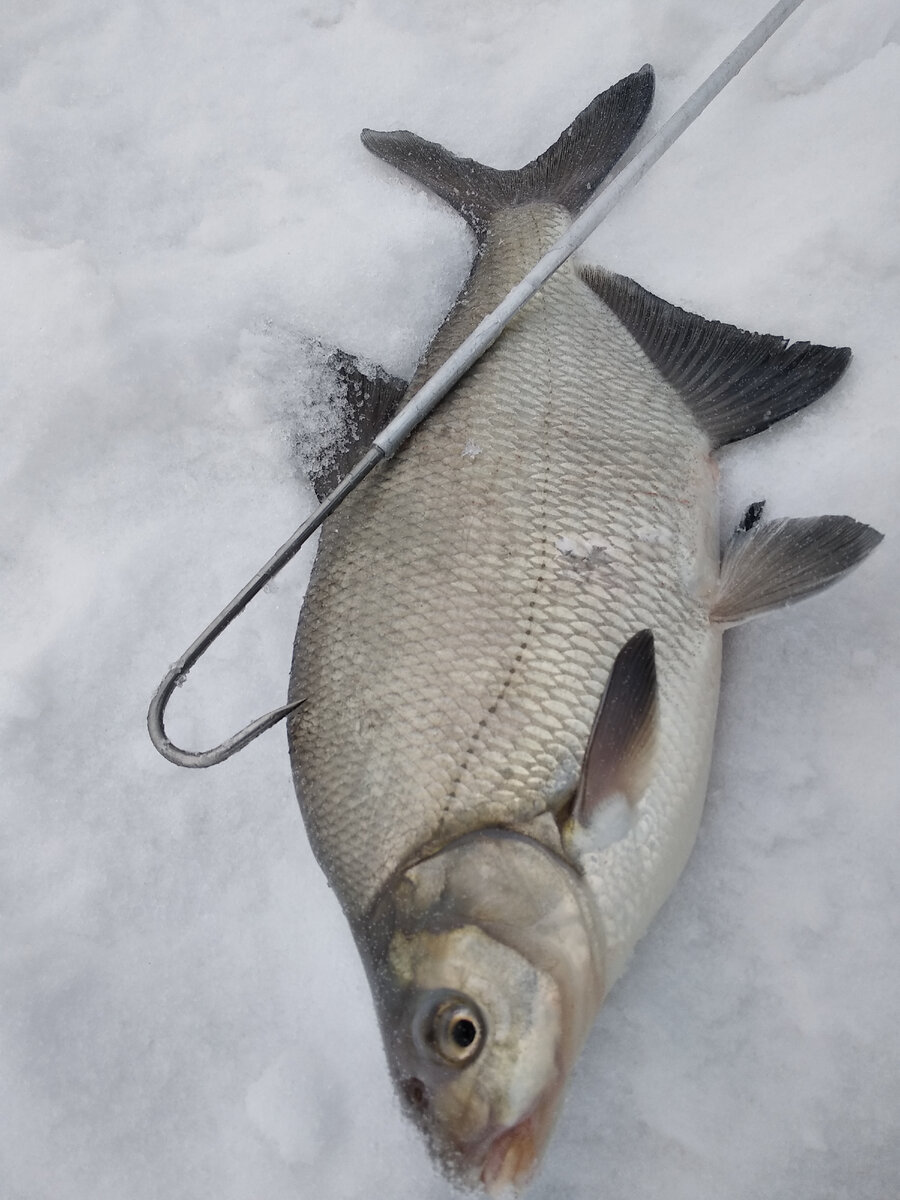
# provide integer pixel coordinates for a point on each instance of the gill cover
(486, 966)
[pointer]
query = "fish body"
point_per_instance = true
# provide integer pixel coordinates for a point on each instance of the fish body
(469, 600)
(510, 650)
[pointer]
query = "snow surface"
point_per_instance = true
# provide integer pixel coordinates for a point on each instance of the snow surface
(184, 205)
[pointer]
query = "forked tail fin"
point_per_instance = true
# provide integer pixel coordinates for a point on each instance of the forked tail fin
(566, 174)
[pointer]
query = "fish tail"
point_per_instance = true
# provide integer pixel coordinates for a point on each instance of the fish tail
(566, 174)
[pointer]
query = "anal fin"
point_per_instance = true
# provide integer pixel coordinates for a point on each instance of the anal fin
(770, 564)
(371, 397)
(620, 748)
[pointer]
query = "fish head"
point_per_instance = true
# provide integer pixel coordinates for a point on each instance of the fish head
(486, 965)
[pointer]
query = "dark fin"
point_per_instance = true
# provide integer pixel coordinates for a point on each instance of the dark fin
(751, 517)
(566, 174)
(735, 383)
(372, 398)
(621, 744)
(780, 562)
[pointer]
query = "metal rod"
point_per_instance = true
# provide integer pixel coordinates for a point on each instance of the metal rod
(414, 412)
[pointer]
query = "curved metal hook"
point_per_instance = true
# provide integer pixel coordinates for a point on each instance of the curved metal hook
(203, 758)
(178, 671)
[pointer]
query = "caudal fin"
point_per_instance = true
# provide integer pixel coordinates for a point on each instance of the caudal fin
(566, 174)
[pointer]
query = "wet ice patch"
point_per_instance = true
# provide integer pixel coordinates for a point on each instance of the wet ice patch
(471, 449)
(654, 535)
(595, 548)
(611, 822)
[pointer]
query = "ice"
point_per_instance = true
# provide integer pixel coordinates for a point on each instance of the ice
(187, 223)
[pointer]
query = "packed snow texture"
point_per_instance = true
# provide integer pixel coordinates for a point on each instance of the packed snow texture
(187, 218)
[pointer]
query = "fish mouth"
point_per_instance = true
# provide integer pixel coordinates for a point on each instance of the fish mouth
(502, 1161)
(511, 1158)
(512, 1155)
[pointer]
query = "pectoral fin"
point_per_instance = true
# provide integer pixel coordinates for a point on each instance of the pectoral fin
(767, 565)
(620, 748)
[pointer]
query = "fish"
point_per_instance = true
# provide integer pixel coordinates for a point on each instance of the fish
(509, 653)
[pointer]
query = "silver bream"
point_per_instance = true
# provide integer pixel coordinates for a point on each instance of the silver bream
(510, 647)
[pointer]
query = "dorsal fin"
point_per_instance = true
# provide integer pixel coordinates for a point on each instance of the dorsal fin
(735, 383)
(372, 398)
(565, 174)
(620, 748)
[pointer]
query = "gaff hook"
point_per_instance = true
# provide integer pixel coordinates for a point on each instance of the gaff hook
(413, 413)
(178, 670)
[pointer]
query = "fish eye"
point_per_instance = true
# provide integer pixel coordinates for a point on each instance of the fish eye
(456, 1031)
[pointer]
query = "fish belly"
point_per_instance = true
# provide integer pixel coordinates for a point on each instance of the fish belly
(469, 599)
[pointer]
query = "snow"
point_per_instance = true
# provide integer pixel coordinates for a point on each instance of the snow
(184, 208)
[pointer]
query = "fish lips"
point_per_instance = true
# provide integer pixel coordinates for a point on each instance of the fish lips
(501, 1161)
(508, 1158)
(511, 1158)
